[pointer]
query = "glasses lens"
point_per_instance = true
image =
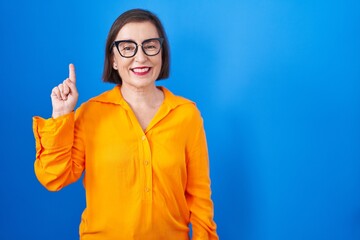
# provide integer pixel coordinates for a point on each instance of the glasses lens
(151, 47)
(127, 49)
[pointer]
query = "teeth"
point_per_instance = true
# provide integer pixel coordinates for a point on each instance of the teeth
(140, 70)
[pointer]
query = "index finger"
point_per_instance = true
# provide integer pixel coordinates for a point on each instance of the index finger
(72, 75)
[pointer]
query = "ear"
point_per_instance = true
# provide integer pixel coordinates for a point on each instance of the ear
(114, 64)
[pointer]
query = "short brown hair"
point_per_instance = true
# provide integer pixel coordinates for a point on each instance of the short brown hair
(134, 15)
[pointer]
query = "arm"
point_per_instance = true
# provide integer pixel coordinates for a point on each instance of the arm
(59, 151)
(198, 191)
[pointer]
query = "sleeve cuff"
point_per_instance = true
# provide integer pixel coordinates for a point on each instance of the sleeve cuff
(53, 133)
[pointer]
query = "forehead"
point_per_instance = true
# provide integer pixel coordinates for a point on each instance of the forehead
(137, 31)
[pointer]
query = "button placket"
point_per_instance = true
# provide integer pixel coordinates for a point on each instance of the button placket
(146, 163)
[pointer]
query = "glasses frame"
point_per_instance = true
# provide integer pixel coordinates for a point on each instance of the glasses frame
(116, 44)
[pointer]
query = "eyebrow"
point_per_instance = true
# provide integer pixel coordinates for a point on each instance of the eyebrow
(131, 40)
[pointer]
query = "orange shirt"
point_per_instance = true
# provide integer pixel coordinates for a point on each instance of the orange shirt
(139, 184)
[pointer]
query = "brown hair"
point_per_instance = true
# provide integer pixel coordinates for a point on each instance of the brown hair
(134, 15)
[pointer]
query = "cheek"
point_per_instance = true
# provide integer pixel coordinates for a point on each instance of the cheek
(122, 70)
(159, 63)
(123, 63)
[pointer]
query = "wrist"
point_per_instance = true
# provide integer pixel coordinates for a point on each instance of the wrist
(56, 114)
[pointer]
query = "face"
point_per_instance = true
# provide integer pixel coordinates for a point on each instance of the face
(141, 70)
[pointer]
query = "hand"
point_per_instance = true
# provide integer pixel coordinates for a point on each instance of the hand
(64, 96)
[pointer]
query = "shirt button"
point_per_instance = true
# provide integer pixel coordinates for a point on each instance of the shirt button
(146, 162)
(143, 138)
(147, 189)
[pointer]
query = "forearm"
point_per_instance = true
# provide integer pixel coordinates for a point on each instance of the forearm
(201, 210)
(198, 191)
(54, 165)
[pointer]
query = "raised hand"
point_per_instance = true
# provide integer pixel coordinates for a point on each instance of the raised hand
(64, 96)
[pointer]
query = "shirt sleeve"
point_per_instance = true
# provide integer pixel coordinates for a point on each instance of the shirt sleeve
(59, 151)
(198, 191)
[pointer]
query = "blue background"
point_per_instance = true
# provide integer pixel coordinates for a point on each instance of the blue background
(277, 83)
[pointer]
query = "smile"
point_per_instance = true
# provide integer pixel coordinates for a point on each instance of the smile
(141, 70)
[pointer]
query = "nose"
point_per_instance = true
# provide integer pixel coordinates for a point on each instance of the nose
(140, 56)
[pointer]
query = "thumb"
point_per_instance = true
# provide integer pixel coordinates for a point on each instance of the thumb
(72, 75)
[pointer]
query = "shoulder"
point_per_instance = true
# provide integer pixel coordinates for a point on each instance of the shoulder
(183, 107)
(176, 101)
(110, 96)
(100, 102)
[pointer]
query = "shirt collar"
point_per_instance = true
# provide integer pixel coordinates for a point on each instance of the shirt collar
(114, 96)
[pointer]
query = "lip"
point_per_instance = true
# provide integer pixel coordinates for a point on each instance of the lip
(141, 71)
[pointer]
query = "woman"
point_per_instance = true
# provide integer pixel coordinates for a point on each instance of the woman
(142, 149)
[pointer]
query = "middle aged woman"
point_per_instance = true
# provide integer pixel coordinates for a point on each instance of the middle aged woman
(143, 149)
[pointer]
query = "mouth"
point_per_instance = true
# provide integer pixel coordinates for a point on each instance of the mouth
(140, 70)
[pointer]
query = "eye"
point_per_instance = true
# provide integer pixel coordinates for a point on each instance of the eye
(151, 45)
(127, 47)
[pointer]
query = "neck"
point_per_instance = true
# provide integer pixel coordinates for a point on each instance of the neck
(150, 96)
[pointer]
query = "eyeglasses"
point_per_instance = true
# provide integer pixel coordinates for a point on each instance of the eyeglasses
(128, 48)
